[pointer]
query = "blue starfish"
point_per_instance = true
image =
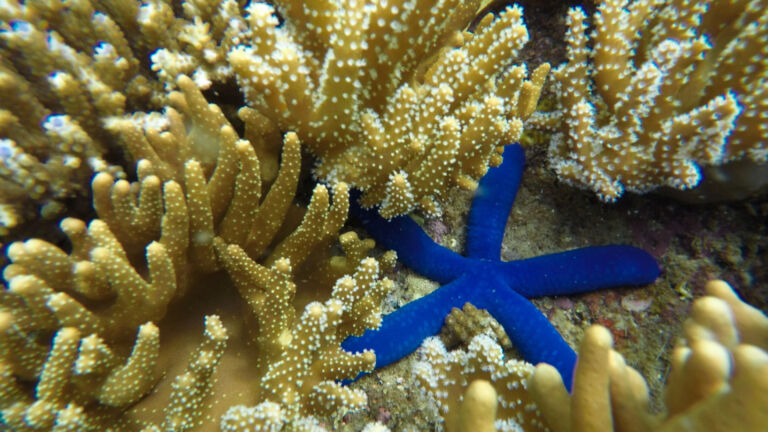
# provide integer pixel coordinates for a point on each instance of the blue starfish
(481, 278)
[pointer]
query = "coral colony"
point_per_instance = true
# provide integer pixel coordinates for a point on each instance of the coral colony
(177, 129)
(482, 279)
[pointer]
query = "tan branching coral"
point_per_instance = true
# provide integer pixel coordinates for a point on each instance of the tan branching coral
(718, 381)
(55, 87)
(461, 325)
(69, 68)
(80, 372)
(394, 98)
(105, 297)
(468, 384)
(304, 361)
(661, 90)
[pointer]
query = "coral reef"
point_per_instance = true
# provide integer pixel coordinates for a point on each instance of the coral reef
(59, 78)
(691, 243)
(718, 382)
(660, 90)
(123, 272)
(452, 378)
(461, 325)
(402, 82)
(136, 106)
(384, 106)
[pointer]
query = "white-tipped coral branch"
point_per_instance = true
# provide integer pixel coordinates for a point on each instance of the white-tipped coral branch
(462, 381)
(107, 298)
(400, 102)
(666, 89)
(371, 88)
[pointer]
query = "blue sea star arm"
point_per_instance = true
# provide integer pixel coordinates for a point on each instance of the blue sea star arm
(531, 333)
(483, 280)
(492, 202)
(402, 331)
(579, 270)
(413, 246)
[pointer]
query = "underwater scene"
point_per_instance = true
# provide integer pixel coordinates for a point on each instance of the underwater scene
(384, 215)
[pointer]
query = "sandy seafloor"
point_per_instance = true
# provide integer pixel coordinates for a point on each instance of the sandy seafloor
(692, 243)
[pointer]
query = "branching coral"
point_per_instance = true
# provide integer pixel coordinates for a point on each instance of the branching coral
(79, 81)
(447, 375)
(305, 361)
(718, 381)
(58, 79)
(394, 98)
(665, 89)
(182, 218)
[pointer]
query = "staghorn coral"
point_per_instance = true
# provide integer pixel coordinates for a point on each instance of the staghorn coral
(459, 381)
(58, 79)
(306, 361)
(392, 98)
(718, 381)
(178, 174)
(155, 237)
(660, 90)
(79, 372)
(403, 103)
(79, 80)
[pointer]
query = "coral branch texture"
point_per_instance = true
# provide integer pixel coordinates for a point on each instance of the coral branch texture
(658, 91)
(718, 381)
(396, 98)
(447, 375)
(84, 324)
(199, 157)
